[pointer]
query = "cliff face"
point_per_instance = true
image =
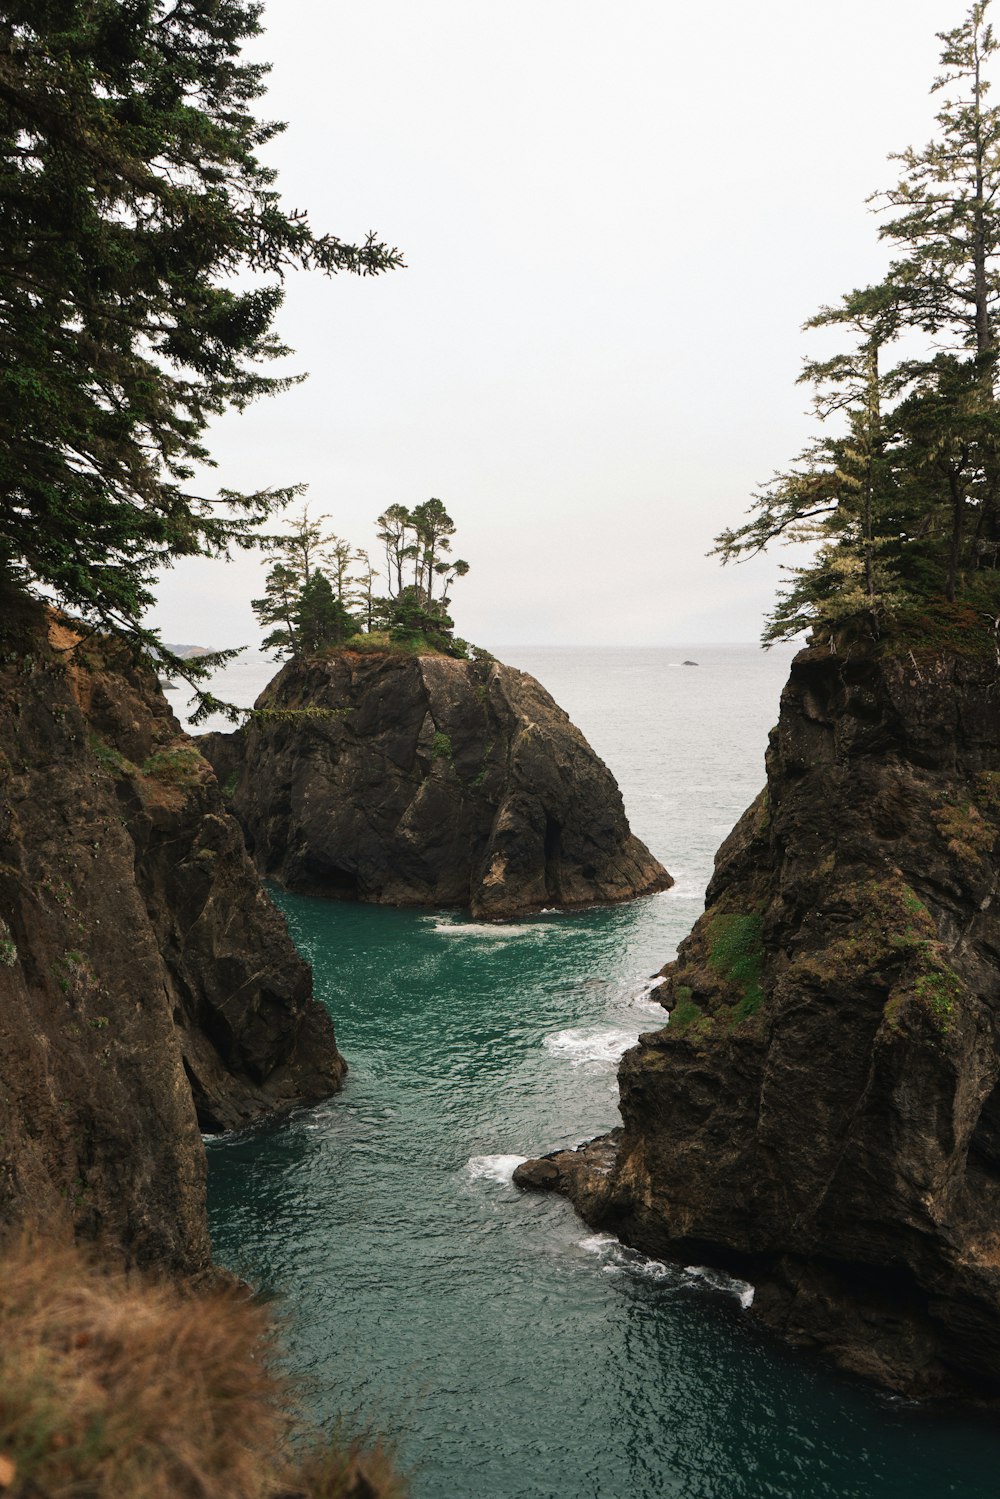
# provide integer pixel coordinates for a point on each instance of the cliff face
(822, 1113)
(428, 781)
(148, 988)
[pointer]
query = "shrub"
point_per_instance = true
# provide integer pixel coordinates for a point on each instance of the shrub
(180, 766)
(115, 1387)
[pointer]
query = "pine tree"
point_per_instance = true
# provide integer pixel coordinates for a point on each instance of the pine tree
(131, 196)
(321, 619)
(904, 501)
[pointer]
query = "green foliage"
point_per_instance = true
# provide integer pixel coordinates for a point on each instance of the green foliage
(441, 747)
(939, 992)
(309, 613)
(143, 246)
(321, 619)
(181, 766)
(109, 758)
(685, 1013)
(736, 952)
(297, 715)
(901, 493)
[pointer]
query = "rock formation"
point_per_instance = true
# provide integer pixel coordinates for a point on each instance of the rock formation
(822, 1113)
(148, 987)
(428, 781)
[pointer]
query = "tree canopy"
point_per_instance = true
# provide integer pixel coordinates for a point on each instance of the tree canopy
(318, 579)
(132, 197)
(901, 491)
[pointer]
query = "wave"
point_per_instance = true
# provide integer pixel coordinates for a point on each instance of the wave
(729, 1285)
(590, 1043)
(494, 1168)
(495, 931)
(619, 1259)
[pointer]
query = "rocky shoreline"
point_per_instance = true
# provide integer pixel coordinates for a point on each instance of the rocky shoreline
(149, 989)
(821, 1115)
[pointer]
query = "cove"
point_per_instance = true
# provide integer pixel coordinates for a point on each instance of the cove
(508, 1351)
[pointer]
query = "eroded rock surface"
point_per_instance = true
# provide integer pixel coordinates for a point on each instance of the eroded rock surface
(822, 1113)
(148, 987)
(428, 781)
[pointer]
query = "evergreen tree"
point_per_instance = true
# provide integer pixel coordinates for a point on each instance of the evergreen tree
(366, 587)
(395, 530)
(131, 196)
(279, 607)
(904, 501)
(948, 279)
(320, 617)
(434, 527)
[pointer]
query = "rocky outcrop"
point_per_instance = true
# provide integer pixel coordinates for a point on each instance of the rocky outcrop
(428, 781)
(148, 987)
(822, 1113)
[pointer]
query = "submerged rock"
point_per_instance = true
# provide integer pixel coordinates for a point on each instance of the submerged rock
(148, 988)
(822, 1113)
(428, 781)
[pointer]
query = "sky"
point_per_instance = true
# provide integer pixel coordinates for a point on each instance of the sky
(615, 219)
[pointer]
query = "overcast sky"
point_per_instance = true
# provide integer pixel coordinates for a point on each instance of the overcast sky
(615, 218)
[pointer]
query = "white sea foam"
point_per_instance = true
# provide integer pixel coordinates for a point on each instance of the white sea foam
(598, 1243)
(492, 931)
(591, 1043)
(494, 1168)
(685, 889)
(619, 1259)
(717, 1280)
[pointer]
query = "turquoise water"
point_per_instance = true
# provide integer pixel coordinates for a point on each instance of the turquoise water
(508, 1351)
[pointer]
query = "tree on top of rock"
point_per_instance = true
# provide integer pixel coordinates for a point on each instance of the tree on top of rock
(419, 573)
(903, 495)
(131, 196)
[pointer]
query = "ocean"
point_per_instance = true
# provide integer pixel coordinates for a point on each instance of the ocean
(504, 1350)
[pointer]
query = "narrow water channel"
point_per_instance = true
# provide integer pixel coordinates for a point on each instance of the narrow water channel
(506, 1349)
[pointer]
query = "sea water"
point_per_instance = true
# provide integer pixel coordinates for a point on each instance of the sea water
(505, 1349)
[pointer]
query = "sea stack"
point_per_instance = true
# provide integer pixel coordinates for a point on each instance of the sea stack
(149, 989)
(821, 1115)
(425, 780)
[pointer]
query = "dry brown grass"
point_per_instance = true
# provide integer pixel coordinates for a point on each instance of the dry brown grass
(112, 1387)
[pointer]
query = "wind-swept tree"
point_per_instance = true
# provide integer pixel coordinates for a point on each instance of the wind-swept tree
(279, 608)
(132, 197)
(366, 586)
(947, 279)
(395, 532)
(904, 499)
(434, 528)
(299, 598)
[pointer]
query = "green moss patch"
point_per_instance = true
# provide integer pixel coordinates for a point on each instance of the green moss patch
(181, 766)
(109, 759)
(736, 953)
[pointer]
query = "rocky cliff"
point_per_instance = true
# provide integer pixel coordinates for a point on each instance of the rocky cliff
(822, 1113)
(148, 988)
(428, 781)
